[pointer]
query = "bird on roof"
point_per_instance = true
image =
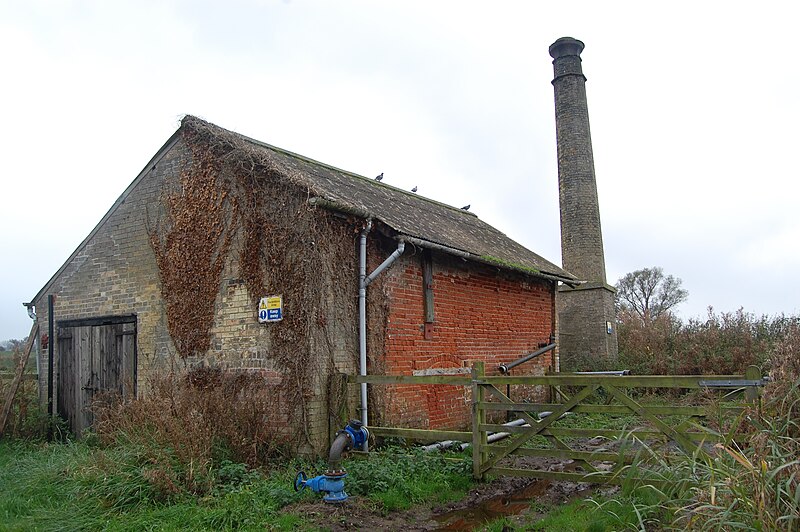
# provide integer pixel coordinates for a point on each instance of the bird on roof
(378, 178)
(414, 189)
(465, 208)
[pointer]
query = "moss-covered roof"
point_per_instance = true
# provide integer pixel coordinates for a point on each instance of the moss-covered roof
(409, 214)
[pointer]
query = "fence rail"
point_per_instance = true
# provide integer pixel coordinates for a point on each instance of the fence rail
(550, 438)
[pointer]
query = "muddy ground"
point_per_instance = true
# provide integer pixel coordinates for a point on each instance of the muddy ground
(519, 499)
(522, 500)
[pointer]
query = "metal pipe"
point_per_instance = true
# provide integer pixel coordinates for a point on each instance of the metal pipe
(362, 317)
(449, 443)
(401, 246)
(50, 341)
(618, 373)
(505, 368)
(32, 315)
(342, 443)
(364, 280)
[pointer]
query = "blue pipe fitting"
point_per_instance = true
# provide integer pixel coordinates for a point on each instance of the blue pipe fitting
(358, 433)
(331, 485)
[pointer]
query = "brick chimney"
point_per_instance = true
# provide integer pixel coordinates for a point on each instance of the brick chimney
(587, 321)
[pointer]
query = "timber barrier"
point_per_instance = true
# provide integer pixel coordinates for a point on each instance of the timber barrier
(547, 436)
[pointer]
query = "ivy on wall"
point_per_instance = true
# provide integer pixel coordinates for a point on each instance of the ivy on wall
(191, 245)
(236, 203)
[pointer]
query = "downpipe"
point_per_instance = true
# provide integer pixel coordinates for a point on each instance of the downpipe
(362, 318)
(331, 482)
(364, 281)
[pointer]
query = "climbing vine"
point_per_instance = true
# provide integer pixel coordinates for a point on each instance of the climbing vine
(191, 245)
(235, 202)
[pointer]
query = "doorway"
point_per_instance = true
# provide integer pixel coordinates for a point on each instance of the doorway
(96, 357)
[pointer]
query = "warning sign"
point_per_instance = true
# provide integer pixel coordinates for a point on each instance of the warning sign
(270, 309)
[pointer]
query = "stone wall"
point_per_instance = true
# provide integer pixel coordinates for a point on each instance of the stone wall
(585, 314)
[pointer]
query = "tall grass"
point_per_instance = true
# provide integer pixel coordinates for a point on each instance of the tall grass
(75, 486)
(754, 485)
(398, 478)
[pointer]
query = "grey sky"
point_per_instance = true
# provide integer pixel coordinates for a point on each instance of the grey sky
(692, 105)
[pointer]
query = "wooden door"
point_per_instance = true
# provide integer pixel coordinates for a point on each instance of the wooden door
(97, 357)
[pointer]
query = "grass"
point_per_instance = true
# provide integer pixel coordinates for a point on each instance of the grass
(74, 486)
(398, 478)
(597, 514)
(80, 486)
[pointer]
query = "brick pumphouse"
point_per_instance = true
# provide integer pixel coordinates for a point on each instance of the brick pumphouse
(229, 253)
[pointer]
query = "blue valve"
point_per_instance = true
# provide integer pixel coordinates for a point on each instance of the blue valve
(331, 485)
(358, 433)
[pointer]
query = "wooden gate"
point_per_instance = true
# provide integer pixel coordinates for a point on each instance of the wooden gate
(548, 435)
(94, 355)
(552, 433)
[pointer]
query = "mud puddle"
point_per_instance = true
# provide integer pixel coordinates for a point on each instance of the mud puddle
(494, 508)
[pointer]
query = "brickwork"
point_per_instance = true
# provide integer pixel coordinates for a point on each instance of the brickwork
(480, 314)
(114, 273)
(585, 340)
(582, 314)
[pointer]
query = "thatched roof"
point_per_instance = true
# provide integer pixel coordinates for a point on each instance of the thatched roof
(423, 220)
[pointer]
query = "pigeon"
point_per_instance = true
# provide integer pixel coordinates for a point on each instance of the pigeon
(465, 208)
(414, 189)
(378, 178)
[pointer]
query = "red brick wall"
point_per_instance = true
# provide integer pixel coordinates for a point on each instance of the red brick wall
(480, 314)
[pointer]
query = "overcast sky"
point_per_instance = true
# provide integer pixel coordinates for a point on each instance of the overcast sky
(693, 108)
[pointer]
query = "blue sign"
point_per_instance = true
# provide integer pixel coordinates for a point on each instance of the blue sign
(270, 309)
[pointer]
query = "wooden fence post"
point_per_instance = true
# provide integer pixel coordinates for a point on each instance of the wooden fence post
(752, 395)
(18, 376)
(479, 454)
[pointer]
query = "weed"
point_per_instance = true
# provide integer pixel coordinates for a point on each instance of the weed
(397, 478)
(195, 423)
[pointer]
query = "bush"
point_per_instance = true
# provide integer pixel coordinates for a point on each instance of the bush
(723, 343)
(192, 427)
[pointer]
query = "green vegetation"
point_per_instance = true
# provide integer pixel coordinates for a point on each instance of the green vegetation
(758, 484)
(509, 264)
(186, 456)
(83, 486)
(75, 486)
(399, 478)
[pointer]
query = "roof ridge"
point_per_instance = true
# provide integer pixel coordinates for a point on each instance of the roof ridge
(408, 213)
(307, 159)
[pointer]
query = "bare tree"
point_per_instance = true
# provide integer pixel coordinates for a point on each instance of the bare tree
(648, 293)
